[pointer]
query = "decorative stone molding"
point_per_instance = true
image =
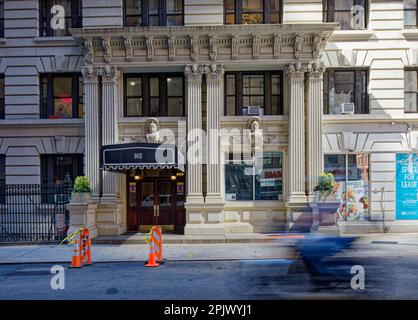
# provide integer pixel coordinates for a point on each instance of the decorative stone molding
(235, 47)
(256, 46)
(297, 70)
(194, 48)
(276, 45)
(88, 51)
(214, 72)
(90, 74)
(150, 47)
(128, 48)
(107, 50)
(316, 70)
(194, 73)
(110, 74)
(152, 128)
(298, 46)
(227, 42)
(213, 49)
(171, 40)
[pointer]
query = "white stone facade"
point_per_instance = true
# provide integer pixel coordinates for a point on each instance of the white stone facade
(204, 49)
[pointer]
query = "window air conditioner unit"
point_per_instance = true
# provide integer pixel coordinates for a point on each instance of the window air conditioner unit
(345, 108)
(254, 110)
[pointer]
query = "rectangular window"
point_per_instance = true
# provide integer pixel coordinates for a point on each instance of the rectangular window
(2, 97)
(345, 91)
(57, 169)
(252, 11)
(410, 13)
(62, 96)
(1, 18)
(72, 12)
(154, 95)
(139, 13)
(351, 172)
(411, 91)
(243, 183)
(253, 94)
(351, 14)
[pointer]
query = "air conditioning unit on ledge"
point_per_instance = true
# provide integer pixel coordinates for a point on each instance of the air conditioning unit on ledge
(254, 110)
(345, 108)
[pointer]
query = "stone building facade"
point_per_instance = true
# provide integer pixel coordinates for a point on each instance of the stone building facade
(332, 84)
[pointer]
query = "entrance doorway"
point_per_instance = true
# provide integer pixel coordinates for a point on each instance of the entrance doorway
(156, 197)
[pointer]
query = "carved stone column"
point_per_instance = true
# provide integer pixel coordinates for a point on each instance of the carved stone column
(110, 99)
(92, 127)
(314, 126)
(214, 111)
(296, 73)
(194, 139)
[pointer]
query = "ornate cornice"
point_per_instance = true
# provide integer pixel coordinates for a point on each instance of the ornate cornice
(284, 42)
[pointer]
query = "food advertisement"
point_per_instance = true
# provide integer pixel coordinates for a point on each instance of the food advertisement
(353, 196)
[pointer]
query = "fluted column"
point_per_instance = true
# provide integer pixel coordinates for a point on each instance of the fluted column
(194, 139)
(296, 73)
(214, 109)
(92, 127)
(314, 126)
(110, 81)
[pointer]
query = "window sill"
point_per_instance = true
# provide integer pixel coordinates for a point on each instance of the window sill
(41, 122)
(54, 39)
(351, 35)
(246, 118)
(410, 34)
(367, 118)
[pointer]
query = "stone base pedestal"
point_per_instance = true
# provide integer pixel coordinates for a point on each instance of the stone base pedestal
(299, 217)
(204, 219)
(82, 215)
(109, 219)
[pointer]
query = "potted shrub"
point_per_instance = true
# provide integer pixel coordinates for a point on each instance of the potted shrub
(325, 205)
(81, 190)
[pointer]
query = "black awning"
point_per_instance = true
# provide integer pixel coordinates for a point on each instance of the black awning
(125, 156)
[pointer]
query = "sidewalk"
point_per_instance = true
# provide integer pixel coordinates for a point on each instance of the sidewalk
(255, 247)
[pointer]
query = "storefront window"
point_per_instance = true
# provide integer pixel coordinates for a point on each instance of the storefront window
(351, 172)
(243, 182)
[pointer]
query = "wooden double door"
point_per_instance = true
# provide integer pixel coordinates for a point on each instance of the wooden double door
(156, 201)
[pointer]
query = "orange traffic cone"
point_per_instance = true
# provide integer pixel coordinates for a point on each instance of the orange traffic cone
(151, 259)
(75, 259)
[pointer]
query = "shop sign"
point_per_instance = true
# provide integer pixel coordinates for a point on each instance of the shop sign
(406, 186)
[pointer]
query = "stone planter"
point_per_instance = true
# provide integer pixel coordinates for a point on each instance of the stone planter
(82, 211)
(324, 214)
(80, 197)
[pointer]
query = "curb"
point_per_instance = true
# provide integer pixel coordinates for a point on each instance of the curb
(182, 241)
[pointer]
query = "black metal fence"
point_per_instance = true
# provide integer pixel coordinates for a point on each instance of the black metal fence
(33, 213)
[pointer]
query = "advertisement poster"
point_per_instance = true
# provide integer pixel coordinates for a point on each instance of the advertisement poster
(406, 186)
(354, 201)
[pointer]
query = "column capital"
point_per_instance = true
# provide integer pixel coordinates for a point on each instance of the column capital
(90, 74)
(215, 72)
(110, 74)
(316, 70)
(194, 73)
(296, 71)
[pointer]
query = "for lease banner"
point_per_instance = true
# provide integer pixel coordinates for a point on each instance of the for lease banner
(406, 186)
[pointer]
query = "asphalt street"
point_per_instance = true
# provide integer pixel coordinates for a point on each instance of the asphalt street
(386, 278)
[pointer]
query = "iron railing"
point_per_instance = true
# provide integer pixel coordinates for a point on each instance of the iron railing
(33, 213)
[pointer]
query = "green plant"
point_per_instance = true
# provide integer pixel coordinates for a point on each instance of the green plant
(326, 184)
(82, 184)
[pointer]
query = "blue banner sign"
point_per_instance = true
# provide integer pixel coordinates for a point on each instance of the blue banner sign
(406, 186)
